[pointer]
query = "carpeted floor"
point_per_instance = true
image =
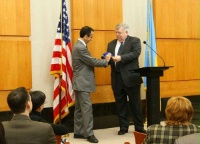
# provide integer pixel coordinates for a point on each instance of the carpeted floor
(107, 136)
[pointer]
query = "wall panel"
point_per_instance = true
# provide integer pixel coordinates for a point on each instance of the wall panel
(15, 17)
(15, 47)
(183, 54)
(176, 18)
(100, 15)
(3, 100)
(177, 37)
(15, 63)
(179, 88)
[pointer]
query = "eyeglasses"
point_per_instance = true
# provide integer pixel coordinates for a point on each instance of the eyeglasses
(44, 102)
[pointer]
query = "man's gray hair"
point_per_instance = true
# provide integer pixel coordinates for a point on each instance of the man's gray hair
(125, 26)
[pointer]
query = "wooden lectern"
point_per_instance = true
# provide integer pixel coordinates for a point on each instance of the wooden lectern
(153, 91)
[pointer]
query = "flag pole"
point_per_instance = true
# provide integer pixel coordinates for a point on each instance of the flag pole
(61, 26)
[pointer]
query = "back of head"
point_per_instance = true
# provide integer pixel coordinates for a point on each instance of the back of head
(38, 99)
(86, 30)
(17, 100)
(179, 111)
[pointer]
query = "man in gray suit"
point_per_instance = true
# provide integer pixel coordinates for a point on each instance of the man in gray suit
(84, 83)
(125, 82)
(21, 129)
(188, 139)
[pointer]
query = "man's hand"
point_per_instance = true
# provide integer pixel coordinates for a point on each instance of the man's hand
(116, 58)
(108, 56)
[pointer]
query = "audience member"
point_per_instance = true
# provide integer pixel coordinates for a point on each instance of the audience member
(38, 100)
(179, 112)
(21, 129)
(188, 139)
(2, 134)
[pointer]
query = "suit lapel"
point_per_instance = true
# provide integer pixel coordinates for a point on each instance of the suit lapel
(126, 43)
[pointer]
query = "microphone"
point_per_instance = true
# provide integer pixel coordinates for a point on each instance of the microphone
(155, 52)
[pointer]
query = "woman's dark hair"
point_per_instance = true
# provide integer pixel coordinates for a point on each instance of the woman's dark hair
(86, 30)
(38, 99)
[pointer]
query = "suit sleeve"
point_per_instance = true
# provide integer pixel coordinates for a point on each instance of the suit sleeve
(134, 51)
(51, 137)
(88, 59)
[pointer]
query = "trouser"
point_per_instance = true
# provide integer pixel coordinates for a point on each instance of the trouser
(83, 116)
(121, 92)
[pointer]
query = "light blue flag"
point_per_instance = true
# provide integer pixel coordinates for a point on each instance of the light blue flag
(150, 55)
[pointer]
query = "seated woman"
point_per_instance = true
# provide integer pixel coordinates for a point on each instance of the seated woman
(179, 112)
(38, 100)
(2, 134)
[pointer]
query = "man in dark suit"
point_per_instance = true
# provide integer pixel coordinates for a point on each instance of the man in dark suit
(84, 83)
(125, 82)
(21, 129)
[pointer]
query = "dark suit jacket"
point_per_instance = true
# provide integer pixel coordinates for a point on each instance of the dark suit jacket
(2, 134)
(22, 130)
(83, 68)
(129, 61)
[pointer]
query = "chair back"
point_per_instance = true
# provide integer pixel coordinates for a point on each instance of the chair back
(139, 137)
(58, 139)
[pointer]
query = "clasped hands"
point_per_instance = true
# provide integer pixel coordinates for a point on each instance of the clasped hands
(115, 58)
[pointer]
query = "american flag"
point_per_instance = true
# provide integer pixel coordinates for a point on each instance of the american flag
(61, 68)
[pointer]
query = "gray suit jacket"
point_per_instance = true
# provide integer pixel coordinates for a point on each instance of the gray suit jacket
(129, 61)
(188, 139)
(22, 130)
(83, 68)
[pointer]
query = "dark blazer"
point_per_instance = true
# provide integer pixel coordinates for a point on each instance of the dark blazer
(58, 129)
(2, 134)
(22, 130)
(83, 68)
(129, 61)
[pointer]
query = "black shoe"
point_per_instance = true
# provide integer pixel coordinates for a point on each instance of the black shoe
(92, 139)
(122, 132)
(142, 131)
(79, 136)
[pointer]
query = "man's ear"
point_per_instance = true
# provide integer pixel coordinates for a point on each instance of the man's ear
(85, 37)
(29, 105)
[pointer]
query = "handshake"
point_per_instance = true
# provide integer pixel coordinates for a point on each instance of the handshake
(108, 56)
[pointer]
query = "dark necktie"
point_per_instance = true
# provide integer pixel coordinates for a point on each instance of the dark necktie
(120, 49)
(118, 53)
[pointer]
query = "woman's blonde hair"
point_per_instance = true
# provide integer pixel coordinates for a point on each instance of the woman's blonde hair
(179, 111)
